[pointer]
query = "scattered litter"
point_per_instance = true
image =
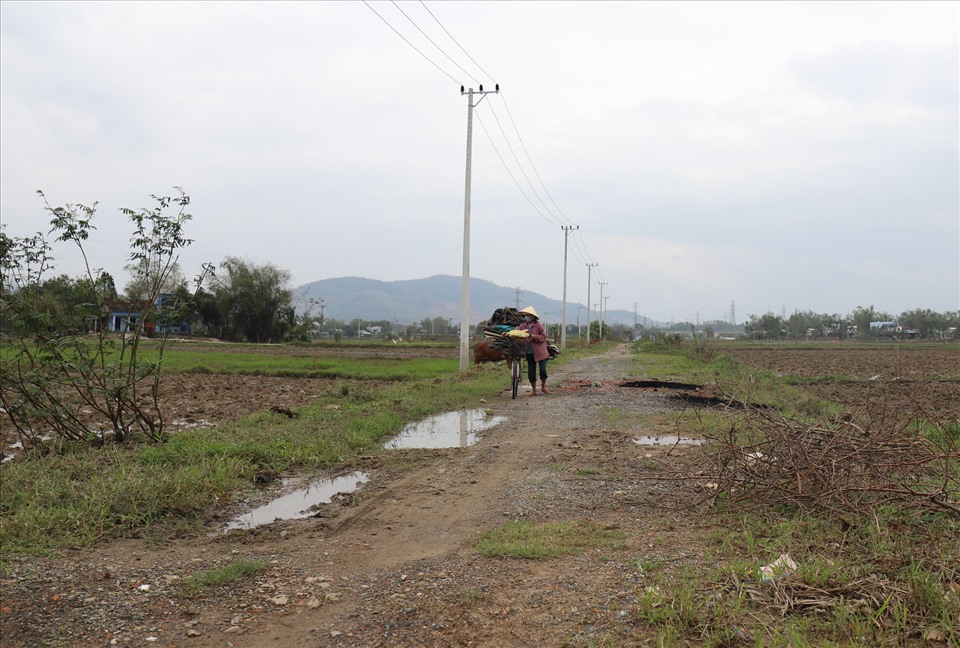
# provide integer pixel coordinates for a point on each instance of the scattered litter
(782, 566)
(754, 457)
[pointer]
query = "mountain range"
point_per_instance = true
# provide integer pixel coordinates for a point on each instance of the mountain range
(410, 301)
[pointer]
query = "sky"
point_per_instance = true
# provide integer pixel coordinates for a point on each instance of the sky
(713, 156)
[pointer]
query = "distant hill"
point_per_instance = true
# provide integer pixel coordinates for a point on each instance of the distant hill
(347, 298)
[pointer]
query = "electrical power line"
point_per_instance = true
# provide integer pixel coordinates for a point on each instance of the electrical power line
(431, 40)
(509, 172)
(530, 160)
(489, 76)
(387, 23)
(553, 220)
(554, 216)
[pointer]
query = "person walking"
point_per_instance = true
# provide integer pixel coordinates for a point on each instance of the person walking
(537, 353)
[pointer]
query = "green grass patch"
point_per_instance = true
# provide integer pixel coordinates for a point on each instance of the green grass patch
(884, 581)
(522, 539)
(306, 366)
(74, 495)
(201, 582)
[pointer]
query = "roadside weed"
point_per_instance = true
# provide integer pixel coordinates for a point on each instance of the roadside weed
(522, 539)
(200, 582)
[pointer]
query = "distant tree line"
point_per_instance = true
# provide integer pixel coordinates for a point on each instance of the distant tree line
(920, 323)
(238, 300)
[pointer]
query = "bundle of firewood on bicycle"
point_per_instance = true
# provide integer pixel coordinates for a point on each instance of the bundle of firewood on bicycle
(504, 336)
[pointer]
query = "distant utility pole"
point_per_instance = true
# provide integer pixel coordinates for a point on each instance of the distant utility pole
(602, 314)
(634, 319)
(563, 317)
(579, 308)
(465, 282)
(733, 314)
(590, 267)
(606, 299)
(517, 293)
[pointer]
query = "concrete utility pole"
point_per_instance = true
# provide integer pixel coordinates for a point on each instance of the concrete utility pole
(602, 284)
(606, 298)
(563, 317)
(590, 267)
(465, 282)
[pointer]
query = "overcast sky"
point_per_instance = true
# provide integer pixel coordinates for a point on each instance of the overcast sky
(778, 156)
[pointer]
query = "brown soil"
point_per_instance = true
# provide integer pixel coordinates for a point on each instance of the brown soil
(911, 378)
(394, 564)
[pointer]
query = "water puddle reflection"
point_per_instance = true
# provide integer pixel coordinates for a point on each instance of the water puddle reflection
(450, 430)
(669, 440)
(297, 504)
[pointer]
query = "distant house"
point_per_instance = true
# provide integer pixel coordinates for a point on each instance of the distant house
(125, 315)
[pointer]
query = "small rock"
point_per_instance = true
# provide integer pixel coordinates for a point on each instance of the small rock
(313, 603)
(193, 632)
(335, 633)
(279, 600)
(232, 630)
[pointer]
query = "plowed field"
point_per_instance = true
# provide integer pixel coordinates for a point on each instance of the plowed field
(915, 377)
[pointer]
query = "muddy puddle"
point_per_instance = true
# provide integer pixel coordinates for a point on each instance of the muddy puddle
(451, 430)
(299, 503)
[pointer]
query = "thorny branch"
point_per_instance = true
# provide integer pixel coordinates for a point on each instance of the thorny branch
(852, 464)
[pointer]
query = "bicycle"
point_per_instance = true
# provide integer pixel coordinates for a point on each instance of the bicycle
(513, 345)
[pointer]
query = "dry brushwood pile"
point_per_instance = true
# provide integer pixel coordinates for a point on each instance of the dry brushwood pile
(845, 468)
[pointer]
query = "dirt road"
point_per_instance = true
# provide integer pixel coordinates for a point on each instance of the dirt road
(394, 564)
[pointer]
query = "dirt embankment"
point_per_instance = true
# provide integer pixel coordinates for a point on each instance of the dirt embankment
(394, 564)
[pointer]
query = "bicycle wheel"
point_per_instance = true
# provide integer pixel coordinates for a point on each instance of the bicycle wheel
(515, 375)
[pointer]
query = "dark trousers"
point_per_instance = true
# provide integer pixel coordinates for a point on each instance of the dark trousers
(532, 368)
